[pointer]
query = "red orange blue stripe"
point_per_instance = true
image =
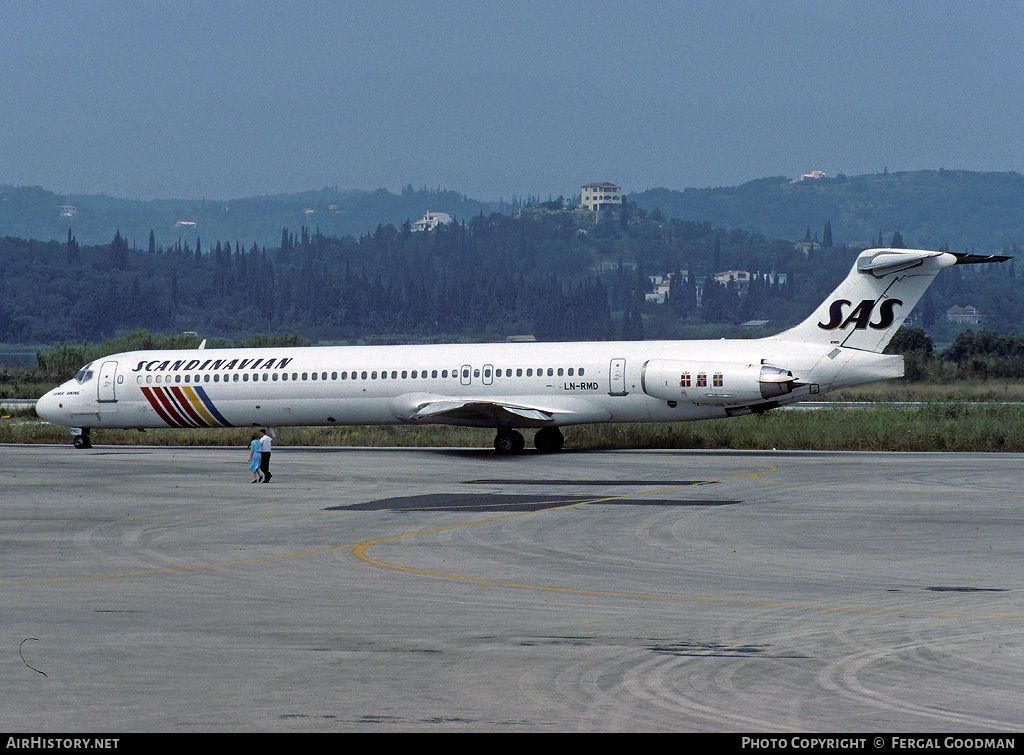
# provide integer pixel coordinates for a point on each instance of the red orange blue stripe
(184, 406)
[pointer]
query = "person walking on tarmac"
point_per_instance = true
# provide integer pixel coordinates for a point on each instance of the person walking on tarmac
(255, 457)
(265, 455)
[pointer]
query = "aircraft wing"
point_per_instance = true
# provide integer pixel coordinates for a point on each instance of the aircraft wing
(491, 412)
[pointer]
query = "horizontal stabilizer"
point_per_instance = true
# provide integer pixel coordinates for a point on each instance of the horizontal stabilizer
(887, 261)
(977, 259)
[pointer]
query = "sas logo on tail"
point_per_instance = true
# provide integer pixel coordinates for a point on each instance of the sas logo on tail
(860, 315)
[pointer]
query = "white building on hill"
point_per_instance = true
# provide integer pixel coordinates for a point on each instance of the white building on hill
(600, 196)
(431, 220)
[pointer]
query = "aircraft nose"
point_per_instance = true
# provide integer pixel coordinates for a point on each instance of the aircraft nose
(48, 407)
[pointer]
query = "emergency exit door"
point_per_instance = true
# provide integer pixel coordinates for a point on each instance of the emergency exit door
(617, 378)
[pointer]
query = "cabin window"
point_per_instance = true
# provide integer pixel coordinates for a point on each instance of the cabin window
(433, 373)
(206, 378)
(177, 378)
(274, 378)
(581, 372)
(235, 377)
(187, 378)
(570, 371)
(314, 376)
(245, 378)
(305, 376)
(529, 372)
(334, 375)
(550, 372)
(559, 372)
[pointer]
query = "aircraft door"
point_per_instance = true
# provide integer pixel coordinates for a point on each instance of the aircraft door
(617, 378)
(105, 386)
(466, 377)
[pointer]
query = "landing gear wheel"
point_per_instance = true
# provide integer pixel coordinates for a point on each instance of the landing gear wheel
(519, 440)
(82, 441)
(509, 442)
(548, 440)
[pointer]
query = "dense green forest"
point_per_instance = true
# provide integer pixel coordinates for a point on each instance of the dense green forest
(550, 272)
(489, 277)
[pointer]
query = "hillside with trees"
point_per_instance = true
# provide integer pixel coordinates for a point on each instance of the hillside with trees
(34, 213)
(552, 272)
(961, 210)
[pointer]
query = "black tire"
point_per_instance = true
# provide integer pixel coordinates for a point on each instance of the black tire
(504, 443)
(520, 441)
(548, 440)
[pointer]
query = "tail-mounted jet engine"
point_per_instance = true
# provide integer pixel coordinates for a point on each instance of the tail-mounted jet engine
(719, 383)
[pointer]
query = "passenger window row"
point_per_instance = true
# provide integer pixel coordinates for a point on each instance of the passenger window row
(363, 375)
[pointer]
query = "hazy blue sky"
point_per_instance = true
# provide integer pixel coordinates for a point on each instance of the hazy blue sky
(495, 98)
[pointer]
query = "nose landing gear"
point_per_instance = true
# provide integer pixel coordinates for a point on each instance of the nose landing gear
(82, 440)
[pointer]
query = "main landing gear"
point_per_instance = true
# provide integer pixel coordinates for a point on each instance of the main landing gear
(509, 442)
(547, 440)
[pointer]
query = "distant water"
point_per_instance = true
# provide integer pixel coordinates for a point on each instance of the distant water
(17, 358)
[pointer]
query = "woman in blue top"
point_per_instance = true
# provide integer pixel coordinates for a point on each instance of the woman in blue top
(255, 452)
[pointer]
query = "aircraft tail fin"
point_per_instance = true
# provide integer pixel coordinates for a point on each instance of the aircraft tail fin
(869, 306)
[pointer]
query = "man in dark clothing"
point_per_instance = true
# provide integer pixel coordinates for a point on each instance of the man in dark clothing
(265, 457)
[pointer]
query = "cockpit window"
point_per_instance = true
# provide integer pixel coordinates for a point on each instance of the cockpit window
(85, 374)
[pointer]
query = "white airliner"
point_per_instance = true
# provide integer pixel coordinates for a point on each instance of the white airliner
(511, 386)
